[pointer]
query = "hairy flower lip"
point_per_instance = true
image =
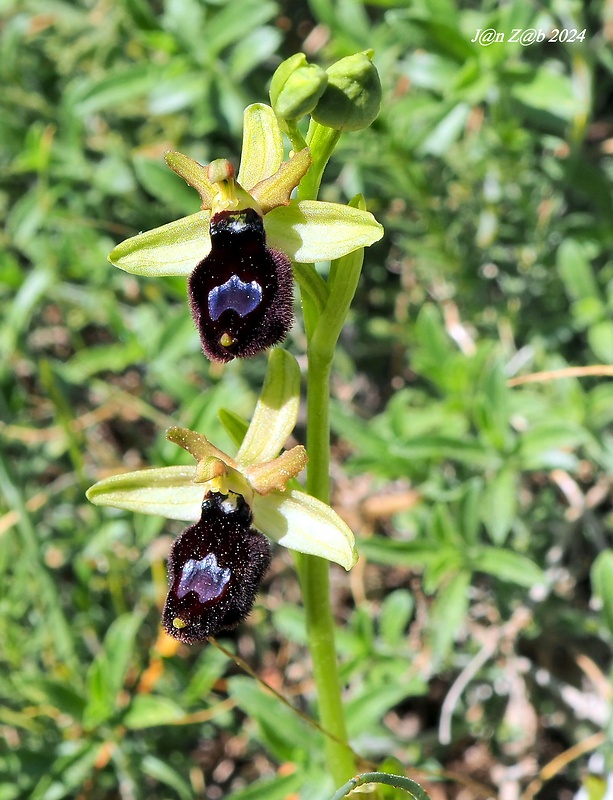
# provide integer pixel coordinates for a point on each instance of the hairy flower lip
(215, 568)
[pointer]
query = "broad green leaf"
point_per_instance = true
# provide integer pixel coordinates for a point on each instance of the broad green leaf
(602, 578)
(108, 671)
(433, 346)
(396, 612)
(280, 728)
(448, 614)
(439, 140)
(445, 448)
(430, 71)
(443, 527)
(492, 407)
(550, 91)
(381, 550)
(59, 695)
(112, 357)
(70, 773)
(290, 622)
(587, 312)
(279, 788)
(162, 771)
(448, 560)
(575, 270)
(227, 27)
(123, 86)
(367, 707)
(471, 518)
(550, 444)
(147, 711)
(499, 504)
(600, 337)
(234, 425)
(508, 566)
(210, 666)
(258, 46)
(600, 408)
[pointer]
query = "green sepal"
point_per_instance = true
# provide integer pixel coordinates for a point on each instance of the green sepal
(275, 413)
(167, 491)
(312, 230)
(303, 523)
(262, 151)
(172, 249)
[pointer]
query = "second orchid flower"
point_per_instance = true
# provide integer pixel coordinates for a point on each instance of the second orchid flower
(215, 566)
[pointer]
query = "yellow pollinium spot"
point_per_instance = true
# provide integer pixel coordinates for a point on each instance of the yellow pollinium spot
(179, 623)
(226, 340)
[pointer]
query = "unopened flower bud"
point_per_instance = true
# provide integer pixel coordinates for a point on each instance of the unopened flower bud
(352, 98)
(296, 87)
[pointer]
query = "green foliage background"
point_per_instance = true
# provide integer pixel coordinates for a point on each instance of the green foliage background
(480, 508)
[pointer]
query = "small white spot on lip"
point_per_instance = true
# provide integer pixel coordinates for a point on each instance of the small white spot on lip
(236, 225)
(228, 506)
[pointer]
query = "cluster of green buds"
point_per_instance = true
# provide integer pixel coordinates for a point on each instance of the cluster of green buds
(238, 253)
(346, 96)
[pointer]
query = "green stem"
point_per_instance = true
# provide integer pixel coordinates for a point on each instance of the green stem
(295, 137)
(322, 141)
(314, 574)
(314, 571)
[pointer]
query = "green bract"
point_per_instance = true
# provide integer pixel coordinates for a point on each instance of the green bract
(306, 231)
(289, 517)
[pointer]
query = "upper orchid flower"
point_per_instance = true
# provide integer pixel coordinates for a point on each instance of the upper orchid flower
(238, 249)
(216, 565)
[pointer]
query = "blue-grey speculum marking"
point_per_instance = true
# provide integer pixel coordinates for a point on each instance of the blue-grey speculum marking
(204, 577)
(236, 295)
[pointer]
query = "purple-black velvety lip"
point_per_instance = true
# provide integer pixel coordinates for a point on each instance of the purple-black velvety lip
(241, 293)
(214, 570)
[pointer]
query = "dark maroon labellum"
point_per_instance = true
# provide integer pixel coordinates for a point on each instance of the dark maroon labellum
(241, 293)
(214, 570)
